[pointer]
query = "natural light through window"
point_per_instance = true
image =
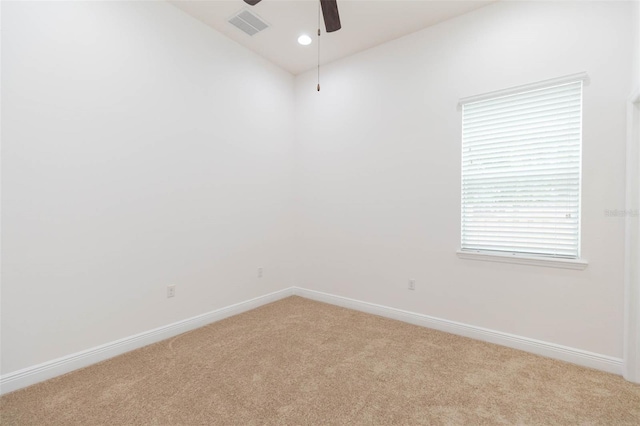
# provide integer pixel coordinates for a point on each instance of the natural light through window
(521, 172)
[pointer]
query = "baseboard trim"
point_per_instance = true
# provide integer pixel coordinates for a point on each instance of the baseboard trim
(550, 350)
(47, 370)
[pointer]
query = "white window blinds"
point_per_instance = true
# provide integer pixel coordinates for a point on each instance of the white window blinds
(521, 159)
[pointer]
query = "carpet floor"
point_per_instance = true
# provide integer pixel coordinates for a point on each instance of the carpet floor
(299, 362)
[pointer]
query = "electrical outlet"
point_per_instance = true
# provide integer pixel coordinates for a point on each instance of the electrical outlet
(412, 284)
(171, 291)
(260, 272)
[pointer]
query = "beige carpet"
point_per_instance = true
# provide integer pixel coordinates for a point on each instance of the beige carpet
(300, 362)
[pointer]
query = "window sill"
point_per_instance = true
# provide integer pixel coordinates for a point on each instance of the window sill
(578, 264)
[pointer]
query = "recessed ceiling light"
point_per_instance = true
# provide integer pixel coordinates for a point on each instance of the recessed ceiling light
(304, 40)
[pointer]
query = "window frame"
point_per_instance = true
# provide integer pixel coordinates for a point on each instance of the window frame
(522, 257)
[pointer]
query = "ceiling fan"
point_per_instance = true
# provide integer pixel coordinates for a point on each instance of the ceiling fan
(329, 12)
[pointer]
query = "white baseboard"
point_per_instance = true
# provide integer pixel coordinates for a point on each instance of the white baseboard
(47, 370)
(550, 350)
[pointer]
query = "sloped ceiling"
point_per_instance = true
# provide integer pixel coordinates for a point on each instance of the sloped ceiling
(365, 24)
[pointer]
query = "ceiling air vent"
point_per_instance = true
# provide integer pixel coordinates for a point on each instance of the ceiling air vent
(248, 22)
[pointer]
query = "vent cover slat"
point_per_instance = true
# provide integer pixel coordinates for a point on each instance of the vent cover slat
(252, 20)
(248, 22)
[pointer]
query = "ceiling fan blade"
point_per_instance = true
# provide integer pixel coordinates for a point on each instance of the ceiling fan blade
(330, 14)
(252, 2)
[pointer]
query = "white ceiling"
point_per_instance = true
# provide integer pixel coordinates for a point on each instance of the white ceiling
(365, 23)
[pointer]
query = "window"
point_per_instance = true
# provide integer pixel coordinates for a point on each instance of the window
(521, 169)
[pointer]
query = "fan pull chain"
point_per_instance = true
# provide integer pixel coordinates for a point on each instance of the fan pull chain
(318, 87)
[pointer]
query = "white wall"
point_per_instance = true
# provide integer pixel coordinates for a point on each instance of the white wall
(139, 149)
(636, 49)
(379, 171)
(631, 369)
(142, 149)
